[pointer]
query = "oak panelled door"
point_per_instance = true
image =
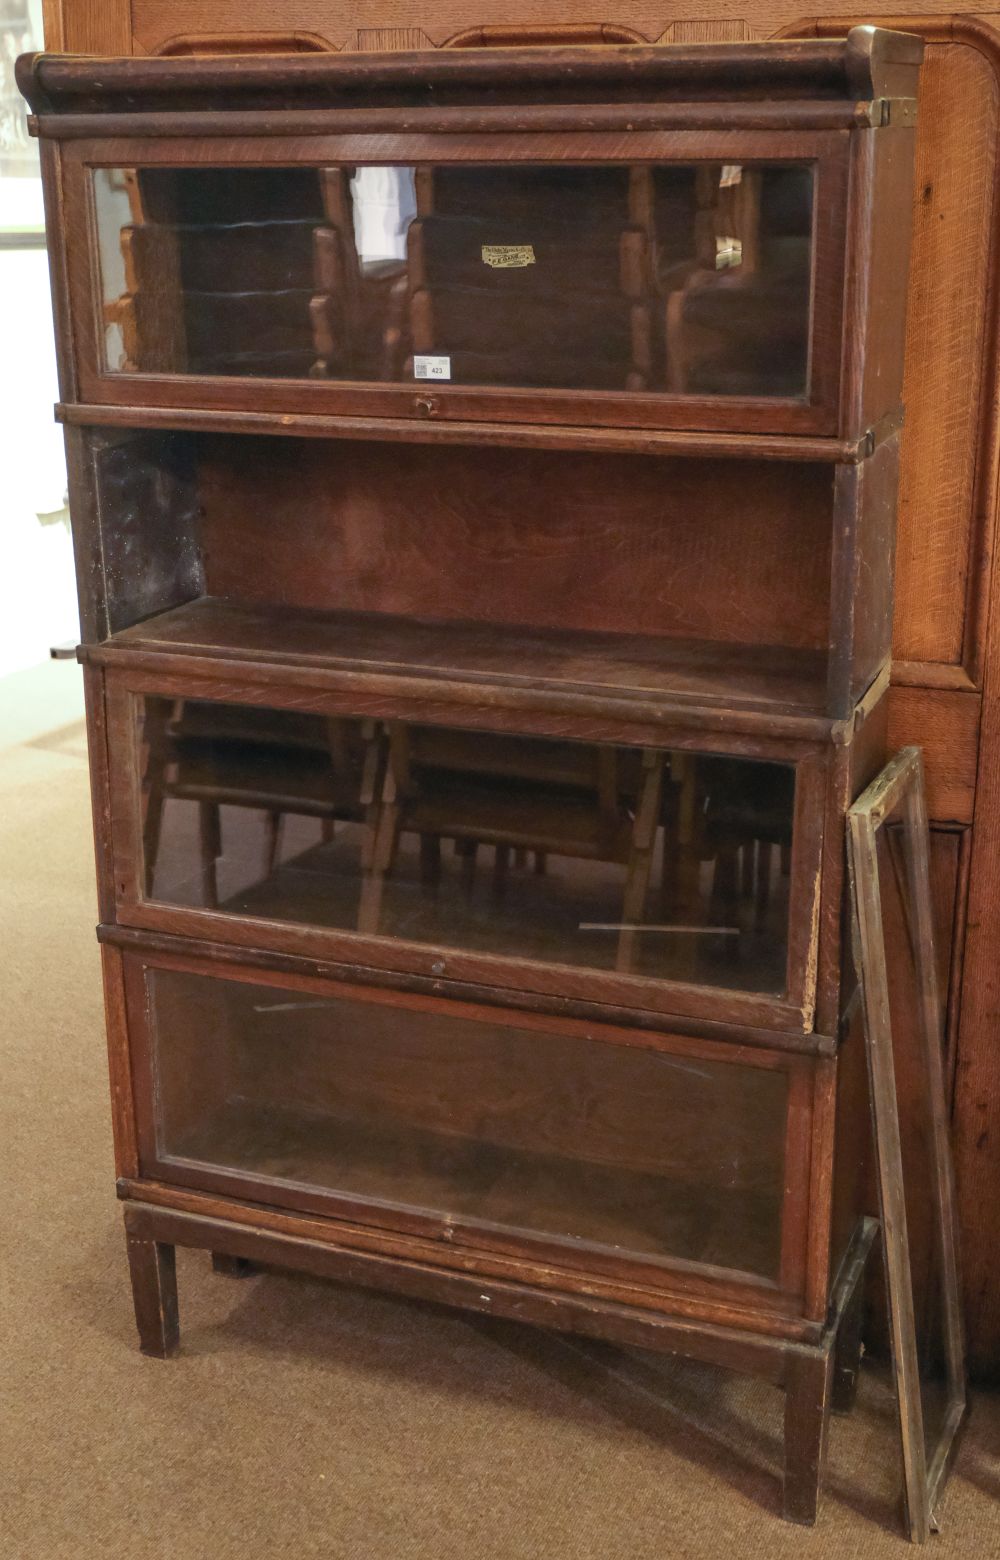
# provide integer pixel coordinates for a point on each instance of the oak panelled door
(946, 676)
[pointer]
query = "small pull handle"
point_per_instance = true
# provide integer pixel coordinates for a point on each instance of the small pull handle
(426, 406)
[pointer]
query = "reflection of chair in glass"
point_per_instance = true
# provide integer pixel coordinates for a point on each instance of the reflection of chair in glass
(517, 794)
(147, 314)
(271, 761)
(533, 276)
(359, 311)
(737, 305)
(334, 307)
(732, 813)
(218, 270)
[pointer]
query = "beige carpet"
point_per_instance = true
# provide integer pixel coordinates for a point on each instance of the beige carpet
(302, 1419)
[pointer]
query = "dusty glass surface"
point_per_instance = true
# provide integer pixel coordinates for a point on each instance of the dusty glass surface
(622, 1148)
(918, 1175)
(896, 906)
(688, 278)
(657, 863)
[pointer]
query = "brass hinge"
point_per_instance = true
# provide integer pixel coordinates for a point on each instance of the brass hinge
(882, 112)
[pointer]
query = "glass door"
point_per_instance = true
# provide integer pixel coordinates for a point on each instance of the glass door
(660, 876)
(607, 1152)
(665, 291)
(689, 278)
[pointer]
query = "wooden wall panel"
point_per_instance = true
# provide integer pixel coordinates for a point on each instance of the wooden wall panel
(945, 352)
(88, 26)
(947, 628)
(946, 725)
(345, 526)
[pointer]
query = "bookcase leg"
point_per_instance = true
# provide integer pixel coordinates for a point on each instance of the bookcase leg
(154, 1295)
(807, 1392)
(847, 1354)
(232, 1267)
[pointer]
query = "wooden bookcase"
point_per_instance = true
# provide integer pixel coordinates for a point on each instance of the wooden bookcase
(484, 473)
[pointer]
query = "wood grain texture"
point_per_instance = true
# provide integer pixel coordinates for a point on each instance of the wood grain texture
(398, 22)
(945, 351)
(638, 441)
(946, 725)
(435, 1275)
(976, 1113)
(586, 541)
(88, 26)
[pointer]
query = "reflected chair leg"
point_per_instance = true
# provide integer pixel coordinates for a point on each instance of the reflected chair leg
(668, 870)
(640, 861)
(687, 872)
(369, 795)
(467, 850)
(151, 829)
(501, 862)
(430, 862)
(764, 854)
(370, 908)
(847, 1353)
(807, 1395)
(541, 863)
(272, 840)
(210, 837)
(383, 849)
(725, 896)
(327, 831)
(154, 1295)
(633, 904)
(747, 855)
(232, 1267)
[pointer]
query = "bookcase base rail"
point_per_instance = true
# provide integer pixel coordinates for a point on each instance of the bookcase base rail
(814, 1376)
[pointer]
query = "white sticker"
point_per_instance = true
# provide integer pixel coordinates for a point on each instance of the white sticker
(432, 367)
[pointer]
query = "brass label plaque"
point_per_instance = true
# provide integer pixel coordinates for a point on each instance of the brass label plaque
(508, 257)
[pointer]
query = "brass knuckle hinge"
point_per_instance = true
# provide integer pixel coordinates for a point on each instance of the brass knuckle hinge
(883, 112)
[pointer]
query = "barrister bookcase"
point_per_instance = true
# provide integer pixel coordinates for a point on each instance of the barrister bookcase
(483, 473)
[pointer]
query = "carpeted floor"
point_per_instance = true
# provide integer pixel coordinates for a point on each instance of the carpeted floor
(302, 1419)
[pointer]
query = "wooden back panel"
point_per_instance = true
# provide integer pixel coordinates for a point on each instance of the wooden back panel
(549, 539)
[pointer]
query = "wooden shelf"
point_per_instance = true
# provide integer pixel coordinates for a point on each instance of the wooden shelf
(483, 663)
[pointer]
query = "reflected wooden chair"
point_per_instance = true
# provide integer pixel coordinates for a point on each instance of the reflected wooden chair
(567, 306)
(736, 311)
(274, 762)
(358, 311)
(518, 795)
(212, 283)
(732, 813)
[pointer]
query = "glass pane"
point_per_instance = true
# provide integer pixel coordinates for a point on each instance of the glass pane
(663, 864)
(690, 278)
(617, 1146)
(915, 1100)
